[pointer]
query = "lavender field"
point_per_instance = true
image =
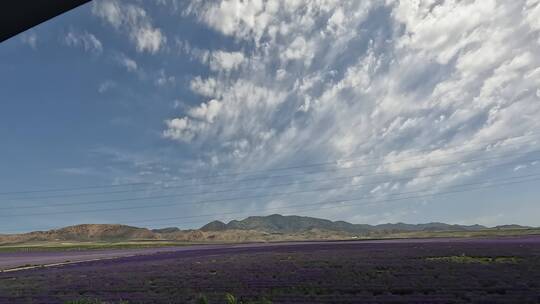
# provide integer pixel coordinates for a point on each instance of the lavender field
(503, 270)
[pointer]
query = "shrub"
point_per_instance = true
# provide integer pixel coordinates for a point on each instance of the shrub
(230, 299)
(202, 299)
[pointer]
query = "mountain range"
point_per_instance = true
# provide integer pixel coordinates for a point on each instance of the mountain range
(255, 228)
(290, 224)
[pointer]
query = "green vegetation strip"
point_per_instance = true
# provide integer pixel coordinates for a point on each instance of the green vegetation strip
(463, 259)
(87, 246)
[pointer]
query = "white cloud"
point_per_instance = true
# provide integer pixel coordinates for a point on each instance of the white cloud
(442, 30)
(30, 39)
(106, 86)
(87, 41)
(110, 11)
(520, 167)
(207, 87)
(128, 63)
(206, 111)
(532, 17)
(177, 104)
(243, 96)
(336, 79)
(163, 79)
(149, 39)
(231, 16)
(298, 49)
(180, 129)
(133, 20)
(226, 61)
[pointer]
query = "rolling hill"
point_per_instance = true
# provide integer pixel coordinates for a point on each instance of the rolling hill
(83, 233)
(255, 228)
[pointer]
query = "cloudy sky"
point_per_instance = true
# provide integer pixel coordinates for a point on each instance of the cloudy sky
(174, 113)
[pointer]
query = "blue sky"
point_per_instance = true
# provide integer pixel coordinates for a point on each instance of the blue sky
(397, 99)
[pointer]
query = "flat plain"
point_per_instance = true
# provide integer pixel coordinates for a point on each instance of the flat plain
(482, 270)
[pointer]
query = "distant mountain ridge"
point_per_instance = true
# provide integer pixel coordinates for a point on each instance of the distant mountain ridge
(251, 229)
(277, 223)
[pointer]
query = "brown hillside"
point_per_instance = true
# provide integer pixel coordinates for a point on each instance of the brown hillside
(85, 232)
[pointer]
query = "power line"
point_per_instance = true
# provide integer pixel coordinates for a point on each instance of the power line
(336, 162)
(341, 201)
(309, 173)
(74, 188)
(166, 188)
(221, 200)
(257, 188)
(355, 199)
